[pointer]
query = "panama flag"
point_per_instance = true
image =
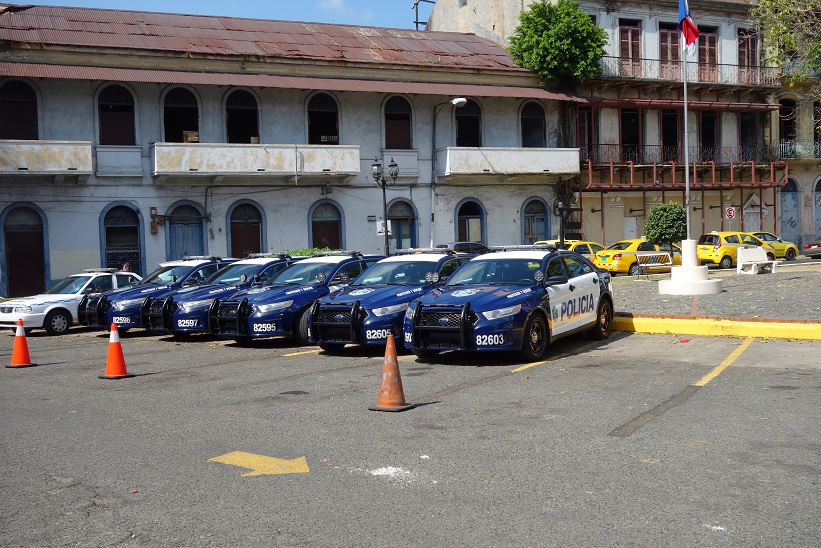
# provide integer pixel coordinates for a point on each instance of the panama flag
(689, 30)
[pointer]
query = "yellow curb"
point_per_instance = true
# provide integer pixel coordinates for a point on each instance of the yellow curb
(717, 327)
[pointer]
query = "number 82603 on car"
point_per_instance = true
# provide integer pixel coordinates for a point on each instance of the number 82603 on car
(512, 300)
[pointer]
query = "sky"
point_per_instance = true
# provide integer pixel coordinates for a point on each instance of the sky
(377, 13)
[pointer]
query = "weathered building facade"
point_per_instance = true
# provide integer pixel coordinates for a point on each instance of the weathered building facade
(752, 147)
(148, 136)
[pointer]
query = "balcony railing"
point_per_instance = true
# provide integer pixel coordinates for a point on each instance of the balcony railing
(510, 162)
(260, 161)
(655, 69)
(657, 154)
(57, 158)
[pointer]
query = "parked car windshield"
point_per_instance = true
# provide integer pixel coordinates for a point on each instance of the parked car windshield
(233, 273)
(620, 246)
(166, 275)
(396, 273)
(70, 285)
(303, 273)
(500, 272)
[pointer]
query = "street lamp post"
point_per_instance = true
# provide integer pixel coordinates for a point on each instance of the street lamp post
(393, 171)
(457, 102)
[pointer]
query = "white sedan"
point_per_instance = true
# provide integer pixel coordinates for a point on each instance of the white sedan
(56, 309)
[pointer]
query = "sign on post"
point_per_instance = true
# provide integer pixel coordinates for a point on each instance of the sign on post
(380, 228)
(729, 212)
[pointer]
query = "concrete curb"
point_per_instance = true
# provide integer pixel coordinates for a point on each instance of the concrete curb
(718, 327)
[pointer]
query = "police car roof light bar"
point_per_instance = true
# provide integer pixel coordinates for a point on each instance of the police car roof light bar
(101, 270)
(200, 258)
(523, 247)
(414, 250)
(268, 256)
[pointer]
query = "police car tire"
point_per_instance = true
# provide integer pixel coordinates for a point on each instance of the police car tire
(57, 322)
(301, 327)
(533, 351)
(725, 262)
(331, 348)
(604, 321)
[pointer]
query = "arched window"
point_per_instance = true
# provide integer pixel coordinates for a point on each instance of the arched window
(403, 225)
(241, 117)
(181, 116)
(470, 221)
(326, 226)
(185, 230)
(534, 132)
(122, 238)
(116, 110)
(246, 230)
(25, 252)
(323, 120)
(18, 111)
(469, 125)
(534, 221)
(398, 127)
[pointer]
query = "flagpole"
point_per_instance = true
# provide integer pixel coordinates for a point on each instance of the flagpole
(686, 149)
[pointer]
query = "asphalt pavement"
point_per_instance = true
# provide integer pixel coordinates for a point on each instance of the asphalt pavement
(787, 298)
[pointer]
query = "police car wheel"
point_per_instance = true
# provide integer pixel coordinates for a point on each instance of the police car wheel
(57, 322)
(604, 322)
(301, 327)
(423, 354)
(534, 343)
(725, 262)
(331, 348)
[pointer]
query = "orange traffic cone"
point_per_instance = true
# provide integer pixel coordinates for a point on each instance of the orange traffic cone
(391, 395)
(115, 364)
(20, 353)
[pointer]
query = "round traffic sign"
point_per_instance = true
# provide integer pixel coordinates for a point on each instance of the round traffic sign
(730, 212)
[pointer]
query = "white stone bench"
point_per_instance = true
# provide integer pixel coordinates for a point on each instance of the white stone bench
(753, 260)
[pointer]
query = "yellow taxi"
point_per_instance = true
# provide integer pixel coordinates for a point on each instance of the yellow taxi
(588, 249)
(781, 248)
(623, 257)
(721, 248)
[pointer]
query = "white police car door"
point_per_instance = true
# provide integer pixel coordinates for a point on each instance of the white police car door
(572, 305)
(584, 292)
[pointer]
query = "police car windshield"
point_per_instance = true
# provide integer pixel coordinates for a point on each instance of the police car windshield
(303, 273)
(70, 285)
(166, 275)
(232, 274)
(396, 273)
(496, 272)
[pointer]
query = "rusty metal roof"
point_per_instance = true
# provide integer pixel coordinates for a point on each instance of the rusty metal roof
(229, 36)
(73, 72)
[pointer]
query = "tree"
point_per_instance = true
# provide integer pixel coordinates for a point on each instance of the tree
(792, 32)
(666, 224)
(559, 42)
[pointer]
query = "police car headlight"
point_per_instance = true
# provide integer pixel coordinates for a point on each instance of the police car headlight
(388, 310)
(22, 309)
(193, 305)
(273, 306)
(119, 305)
(502, 312)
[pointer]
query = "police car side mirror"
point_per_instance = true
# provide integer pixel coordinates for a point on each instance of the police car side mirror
(556, 280)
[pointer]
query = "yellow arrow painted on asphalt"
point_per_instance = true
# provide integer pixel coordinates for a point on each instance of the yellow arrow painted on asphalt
(260, 465)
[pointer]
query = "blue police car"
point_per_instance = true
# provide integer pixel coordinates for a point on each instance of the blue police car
(518, 299)
(373, 306)
(281, 307)
(125, 307)
(185, 311)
